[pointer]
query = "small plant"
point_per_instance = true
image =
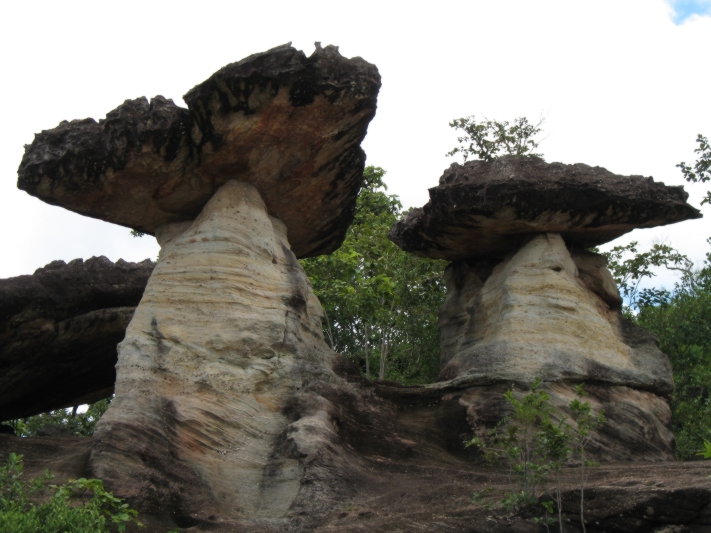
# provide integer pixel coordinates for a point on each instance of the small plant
(545, 519)
(535, 447)
(706, 452)
(78, 506)
(522, 440)
(586, 423)
(490, 139)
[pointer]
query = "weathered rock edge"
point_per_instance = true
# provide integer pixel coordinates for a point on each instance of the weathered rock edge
(487, 209)
(288, 124)
(59, 329)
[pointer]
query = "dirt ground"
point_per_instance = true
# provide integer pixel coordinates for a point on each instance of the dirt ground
(405, 496)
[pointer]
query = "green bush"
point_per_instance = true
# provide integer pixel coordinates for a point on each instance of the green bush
(77, 506)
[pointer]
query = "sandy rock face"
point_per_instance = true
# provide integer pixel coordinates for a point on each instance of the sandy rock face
(534, 316)
(59, 329)
(544, 312)
(228, 333)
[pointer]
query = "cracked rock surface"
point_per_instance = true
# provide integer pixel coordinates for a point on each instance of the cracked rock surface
(488, 209)
(288, 124)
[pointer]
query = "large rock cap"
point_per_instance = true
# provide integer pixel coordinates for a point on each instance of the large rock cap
(290, 125)
(482, 209)
(59, 329)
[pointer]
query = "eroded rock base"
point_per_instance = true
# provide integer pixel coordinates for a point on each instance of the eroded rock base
(226, 338)
(546, 312)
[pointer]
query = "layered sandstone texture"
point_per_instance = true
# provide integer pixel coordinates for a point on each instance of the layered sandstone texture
(485, 209)
(526, 300)
(290, 125)
(59, 329)
(226, 338)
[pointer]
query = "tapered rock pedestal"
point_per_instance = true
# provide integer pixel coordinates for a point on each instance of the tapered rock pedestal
(227, 333)
(217, 409)
(526, 299)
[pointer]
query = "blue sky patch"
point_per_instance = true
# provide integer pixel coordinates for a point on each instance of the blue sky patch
(683, 9)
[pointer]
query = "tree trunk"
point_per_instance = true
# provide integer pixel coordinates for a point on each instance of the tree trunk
(330, 332)
(384, 347)
(367, 347)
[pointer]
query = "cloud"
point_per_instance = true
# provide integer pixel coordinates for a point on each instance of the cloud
(683, 10)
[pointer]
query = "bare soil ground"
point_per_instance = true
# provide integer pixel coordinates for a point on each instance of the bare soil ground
(396, 496)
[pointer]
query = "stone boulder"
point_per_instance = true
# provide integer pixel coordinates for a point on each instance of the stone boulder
(59, 329)
(290, 125)
(488, 209)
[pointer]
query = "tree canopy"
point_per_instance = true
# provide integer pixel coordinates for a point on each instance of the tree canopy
(381, 303)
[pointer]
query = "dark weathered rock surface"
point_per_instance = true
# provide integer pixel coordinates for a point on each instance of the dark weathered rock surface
(387, 458)
(488, 209)
(59, 329)
(288, 124)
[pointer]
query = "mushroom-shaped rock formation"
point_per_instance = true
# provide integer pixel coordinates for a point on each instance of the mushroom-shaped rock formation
(290, 125)
(59, 329)
(525, 299)
(488, 209)
(217, 406)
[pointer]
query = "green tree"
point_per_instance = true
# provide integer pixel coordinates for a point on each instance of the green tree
(380, 303)
(69, 420)
(489, 139)
(682, 320)
(701, 171)
(586, 423)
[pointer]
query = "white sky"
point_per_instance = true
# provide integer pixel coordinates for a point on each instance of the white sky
(622, 85)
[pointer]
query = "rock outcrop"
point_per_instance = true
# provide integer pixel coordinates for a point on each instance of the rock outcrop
(290, 125)
(526, 300)
(489, 209)
(227, 334)
(401, 467)
(59, 329)
(220, 399)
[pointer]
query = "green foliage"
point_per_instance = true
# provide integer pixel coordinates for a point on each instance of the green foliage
(535, 447)
(630, 267)
(71, 421)
(380, 302)
(78, 506)
(681, 318)
(701, 171)
(490, 139)
(706, 452)
(136, 233)
(586, 422)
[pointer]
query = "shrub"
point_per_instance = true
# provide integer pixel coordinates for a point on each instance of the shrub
(77, 506)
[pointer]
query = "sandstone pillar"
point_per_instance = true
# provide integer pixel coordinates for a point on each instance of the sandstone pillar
(526, 299)
(227, 332)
